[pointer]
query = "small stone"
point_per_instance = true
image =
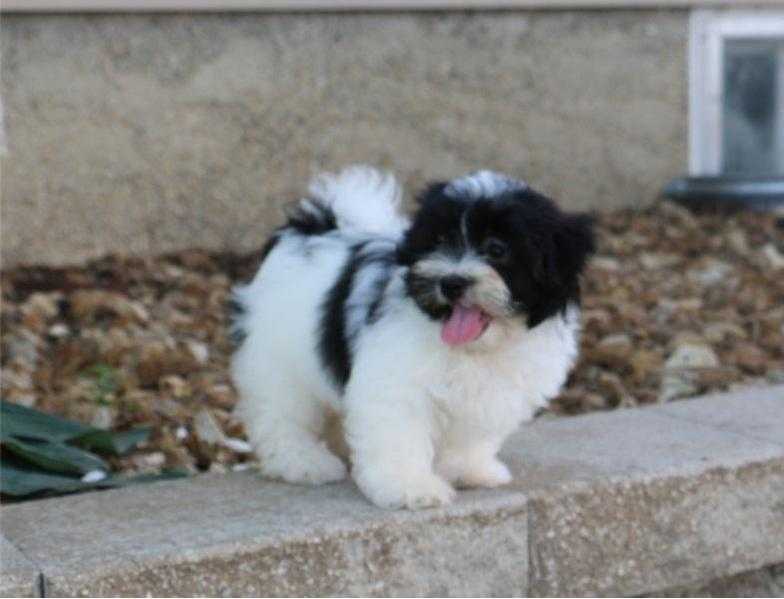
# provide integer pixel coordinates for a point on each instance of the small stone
(750, 358)
(221, 396)
(158, 360)
(103, 417)
(682, 369)
(612, 385)
(668, 307)
(718, 332)
(237, 445)
(644, 363)
(606, 263)
(595, 401)
(601, 319)
(679, 214)
(612, 350)
(242, 467)
(207, 429)
(675, 385)
(692, 355)
(651, 261)
(712, 272)
(199, 351)
(88, 305)
(13, 379)
(58, 331)
(738, 242)
(20, 398)
(174, 385)
(776, 377)
(169, 407)
(774, 256)
(44, 304)
(21, 347)
(715, 377)
(147, 462)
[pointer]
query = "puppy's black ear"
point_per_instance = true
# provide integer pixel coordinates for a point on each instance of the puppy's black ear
(433, 191)
(574, 243)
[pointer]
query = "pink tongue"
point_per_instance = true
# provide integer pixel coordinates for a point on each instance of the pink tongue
(463, 325)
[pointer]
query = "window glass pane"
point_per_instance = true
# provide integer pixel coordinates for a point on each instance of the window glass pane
(753, 111)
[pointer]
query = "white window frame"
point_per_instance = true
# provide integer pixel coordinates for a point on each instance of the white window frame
(709, 31)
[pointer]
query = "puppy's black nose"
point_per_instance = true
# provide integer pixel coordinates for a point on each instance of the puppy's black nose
(453, 286)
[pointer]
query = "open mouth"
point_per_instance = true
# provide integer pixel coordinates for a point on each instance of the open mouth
(464, 324)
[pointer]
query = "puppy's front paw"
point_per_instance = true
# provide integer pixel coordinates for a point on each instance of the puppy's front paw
(417, 493)
(311, 466)
(492, 473)
(467, 470)
(433, 492)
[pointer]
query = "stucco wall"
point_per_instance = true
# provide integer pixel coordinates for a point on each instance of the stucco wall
(148, 133)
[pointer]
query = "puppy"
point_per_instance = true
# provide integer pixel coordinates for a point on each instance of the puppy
(432, 338)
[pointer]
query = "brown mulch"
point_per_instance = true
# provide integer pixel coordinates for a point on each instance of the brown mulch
(675, 305)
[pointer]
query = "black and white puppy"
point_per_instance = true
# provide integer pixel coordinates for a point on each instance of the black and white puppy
(434, 339)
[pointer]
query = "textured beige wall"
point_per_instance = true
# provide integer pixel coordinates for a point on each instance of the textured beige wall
(149, 133)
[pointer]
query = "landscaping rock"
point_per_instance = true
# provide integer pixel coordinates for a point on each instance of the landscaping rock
(207, 429)
(692, 355)
(613, 350)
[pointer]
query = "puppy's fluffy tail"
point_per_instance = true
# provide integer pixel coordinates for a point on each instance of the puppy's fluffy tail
(363, 199)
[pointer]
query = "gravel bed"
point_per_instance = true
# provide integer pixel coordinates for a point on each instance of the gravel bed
(675, 305)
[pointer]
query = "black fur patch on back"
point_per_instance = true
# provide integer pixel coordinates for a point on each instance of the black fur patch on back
(375, 308)
(311, 217)
(360, 290)
(236, 311)
(334, 344)
(269, 245)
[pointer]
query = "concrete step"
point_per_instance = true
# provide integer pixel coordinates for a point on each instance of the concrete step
(621, 503)
(20, 577)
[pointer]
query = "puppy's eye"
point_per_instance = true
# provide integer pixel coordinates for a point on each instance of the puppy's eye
(495, 249)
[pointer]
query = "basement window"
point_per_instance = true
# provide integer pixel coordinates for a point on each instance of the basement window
(736, 104)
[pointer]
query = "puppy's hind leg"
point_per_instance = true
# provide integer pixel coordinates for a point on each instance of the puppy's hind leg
(285, 426)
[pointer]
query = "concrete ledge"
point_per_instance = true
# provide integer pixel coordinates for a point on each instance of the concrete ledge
(18, 576)
(622, 503)
(238, 535)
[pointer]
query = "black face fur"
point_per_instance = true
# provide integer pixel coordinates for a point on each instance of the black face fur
(538, 250)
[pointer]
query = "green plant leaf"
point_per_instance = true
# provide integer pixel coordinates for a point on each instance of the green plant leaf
(18, 421)
(113, 443)
(19, 480)
(25, 423)
(54, 457)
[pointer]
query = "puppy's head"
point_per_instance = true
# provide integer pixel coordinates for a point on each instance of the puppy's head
(486, 252)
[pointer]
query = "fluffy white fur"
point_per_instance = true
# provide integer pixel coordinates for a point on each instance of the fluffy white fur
(420, 417)
(364, 199)
(483, 183)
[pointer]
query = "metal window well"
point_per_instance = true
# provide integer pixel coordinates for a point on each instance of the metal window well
(728, 191)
